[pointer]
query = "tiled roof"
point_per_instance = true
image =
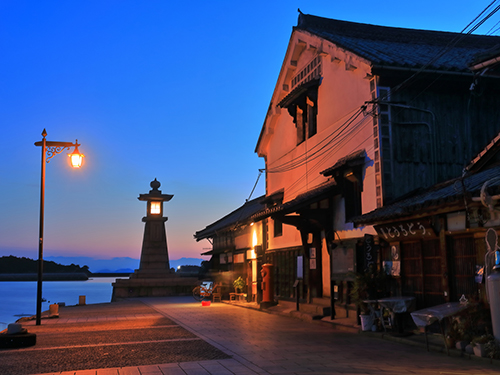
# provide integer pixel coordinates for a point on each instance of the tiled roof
(400, 47)
(438, 196)
(230, 221)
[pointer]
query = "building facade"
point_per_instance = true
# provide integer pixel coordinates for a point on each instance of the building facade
(361, 116)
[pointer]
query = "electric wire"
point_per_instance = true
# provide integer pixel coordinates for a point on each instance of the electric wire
(493, 32)
(463, 34)
(479, 15)
(302, 159)
(327, 155)
(305, 155)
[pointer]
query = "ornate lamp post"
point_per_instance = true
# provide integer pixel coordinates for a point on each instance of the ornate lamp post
(49, 150)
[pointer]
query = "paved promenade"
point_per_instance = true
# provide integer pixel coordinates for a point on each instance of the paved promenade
(176, 335)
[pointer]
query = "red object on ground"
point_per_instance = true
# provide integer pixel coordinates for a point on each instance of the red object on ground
(205, 303)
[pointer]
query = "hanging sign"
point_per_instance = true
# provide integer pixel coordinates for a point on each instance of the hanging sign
(312, 258)
(370, 251)
(406, 230)
(300, 267)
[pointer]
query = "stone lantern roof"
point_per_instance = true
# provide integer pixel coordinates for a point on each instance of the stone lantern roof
(155, 194)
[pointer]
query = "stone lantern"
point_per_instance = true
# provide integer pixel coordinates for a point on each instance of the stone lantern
(154, 254)
(154, 277)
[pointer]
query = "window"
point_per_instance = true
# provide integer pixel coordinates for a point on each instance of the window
(300, 124)
(278, 228)
(302, 105)
(311, 118)
(305, 120)
(348, 174)
(352, 196)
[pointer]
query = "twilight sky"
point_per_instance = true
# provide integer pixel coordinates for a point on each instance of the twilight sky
(176, 91)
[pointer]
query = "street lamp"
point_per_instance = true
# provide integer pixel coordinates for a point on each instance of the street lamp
(49, 150)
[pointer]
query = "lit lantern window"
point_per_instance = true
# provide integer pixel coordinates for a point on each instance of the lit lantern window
(155, 208)
(75, 158)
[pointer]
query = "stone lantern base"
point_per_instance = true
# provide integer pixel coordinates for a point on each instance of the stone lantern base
(168, 285)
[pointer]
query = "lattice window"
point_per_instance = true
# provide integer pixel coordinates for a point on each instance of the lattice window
(310, 71)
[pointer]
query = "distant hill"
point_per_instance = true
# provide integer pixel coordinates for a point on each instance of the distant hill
(119, 264)
(100, 265)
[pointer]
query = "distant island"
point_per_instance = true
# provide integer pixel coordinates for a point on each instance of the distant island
(24, 269)
(14, 268)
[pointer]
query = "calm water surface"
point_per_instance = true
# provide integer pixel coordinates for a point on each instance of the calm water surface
(18, 298)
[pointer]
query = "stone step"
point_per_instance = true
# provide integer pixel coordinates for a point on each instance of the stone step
(306, 308)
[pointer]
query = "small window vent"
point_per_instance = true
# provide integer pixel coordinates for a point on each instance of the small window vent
(310, 72)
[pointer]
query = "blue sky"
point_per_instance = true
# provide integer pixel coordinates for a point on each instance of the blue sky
(176, 91)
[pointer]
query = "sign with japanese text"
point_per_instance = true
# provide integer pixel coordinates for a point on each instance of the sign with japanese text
(406, 230)
(312, 258)
(370, 252)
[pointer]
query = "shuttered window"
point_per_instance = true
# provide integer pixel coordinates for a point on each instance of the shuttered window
(462, 267)
(421, 272)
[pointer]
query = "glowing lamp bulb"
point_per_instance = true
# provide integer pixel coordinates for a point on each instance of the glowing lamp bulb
(76, 158)
(155, 208)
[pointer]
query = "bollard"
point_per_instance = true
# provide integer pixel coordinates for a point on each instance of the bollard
(54, 310)
(81, 300)
(14, 328)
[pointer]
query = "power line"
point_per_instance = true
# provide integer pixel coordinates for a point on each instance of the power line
(304, 158)
(450, 45)
(305, 154)
(255, 185)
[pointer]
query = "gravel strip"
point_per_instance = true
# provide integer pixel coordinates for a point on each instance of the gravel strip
(84, 358)
(48, 340)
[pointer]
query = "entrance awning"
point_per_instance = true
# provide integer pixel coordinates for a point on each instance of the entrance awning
(302, 201)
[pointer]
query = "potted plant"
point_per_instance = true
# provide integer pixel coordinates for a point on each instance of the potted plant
(359, 292)
(238, 284)
(454, 336)
(492, 349)
(369, 285)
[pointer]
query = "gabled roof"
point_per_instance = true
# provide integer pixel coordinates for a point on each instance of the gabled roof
(399, 47)
(232, 220)
(439, 196)
(486, 155)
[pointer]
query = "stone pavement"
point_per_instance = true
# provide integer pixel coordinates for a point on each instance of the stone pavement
(241, 341)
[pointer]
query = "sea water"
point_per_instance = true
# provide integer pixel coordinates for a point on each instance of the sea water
(18, 298)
